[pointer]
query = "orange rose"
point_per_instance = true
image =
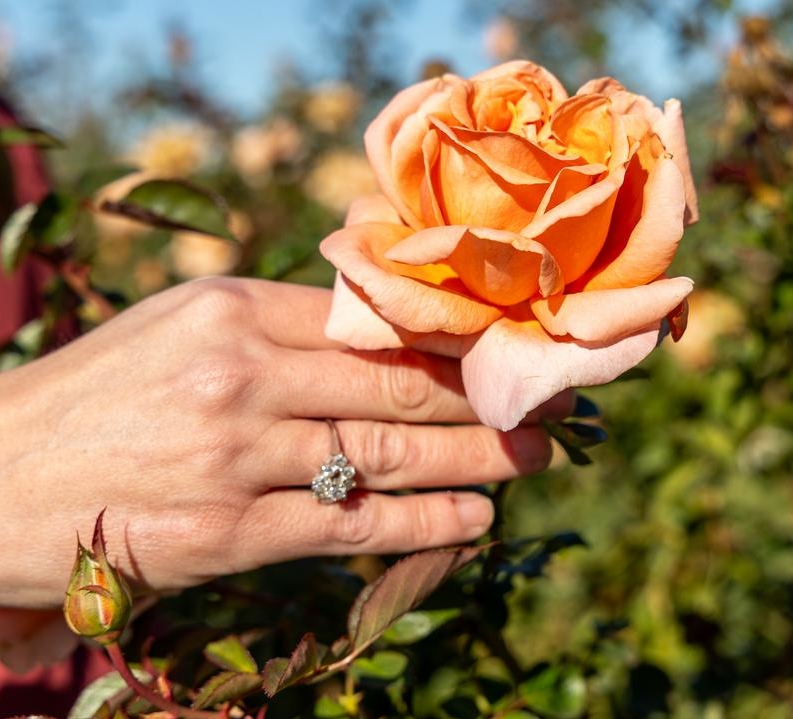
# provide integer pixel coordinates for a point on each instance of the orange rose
(520, 229)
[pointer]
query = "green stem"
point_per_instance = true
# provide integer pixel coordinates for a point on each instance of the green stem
(147, 693)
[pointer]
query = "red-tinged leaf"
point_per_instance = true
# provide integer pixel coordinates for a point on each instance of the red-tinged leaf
(225, 687)
(401, 589)
(306, 659)
(230, 653)
(174, 205)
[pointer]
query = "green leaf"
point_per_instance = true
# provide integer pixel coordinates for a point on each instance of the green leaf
(109, 688)
(414, 626)
(279, 261)
(556, 691)
(28, 136)
(95, 179)
(585, 408)
(533, 565)
(53, 223)
(383, 666)
(573, 437)
(230, 653)
(225, 687)
(174, 205)
(15, 242)
(279, 673)
(328, 708)
(401, 589)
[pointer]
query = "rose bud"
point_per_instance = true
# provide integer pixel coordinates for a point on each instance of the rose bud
(98, 601)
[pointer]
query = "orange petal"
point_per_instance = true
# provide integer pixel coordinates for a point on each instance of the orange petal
(513, 367)
(584, 126)
(653, 241)
(408, 297)
(606, 315)
(500, 267)
(394, 139)
(670, 129)
(575, 230)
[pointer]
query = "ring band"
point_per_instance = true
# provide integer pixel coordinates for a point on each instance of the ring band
(336, 476)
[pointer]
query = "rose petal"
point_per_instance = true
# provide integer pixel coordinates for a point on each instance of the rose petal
(500, 267)
(407, 296)
(513, 367)
(371, 208)
(653, 242)
(393, 142)
(575, 230)
(606, 315)
(672, 133)
(356, 323)
(508, 174)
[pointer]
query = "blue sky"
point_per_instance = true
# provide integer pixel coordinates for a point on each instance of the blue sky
(242, 43)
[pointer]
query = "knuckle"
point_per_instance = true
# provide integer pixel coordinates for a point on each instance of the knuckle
(358, 527)
(216, 381)
(212, 300)
(409, 382)
(424, 527)
(384, 448)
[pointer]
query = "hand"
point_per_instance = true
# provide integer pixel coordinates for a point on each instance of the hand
(197, 419)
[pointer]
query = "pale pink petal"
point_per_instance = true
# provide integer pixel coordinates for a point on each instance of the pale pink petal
(371, 208)
(356, 323)
(413, 302)
(607, 315)
(653, 241)
(672, 133)
(513, 367)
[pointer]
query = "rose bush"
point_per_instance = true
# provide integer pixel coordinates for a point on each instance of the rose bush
(523, 230)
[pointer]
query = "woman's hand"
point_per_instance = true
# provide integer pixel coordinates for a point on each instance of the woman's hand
(197, 418)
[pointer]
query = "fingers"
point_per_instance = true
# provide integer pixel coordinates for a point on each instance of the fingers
(288, 524)
(292, 315)
(393, 385)
(389, 456)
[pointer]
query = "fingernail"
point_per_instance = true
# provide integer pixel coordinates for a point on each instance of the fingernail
(531, 449)
(474, 511)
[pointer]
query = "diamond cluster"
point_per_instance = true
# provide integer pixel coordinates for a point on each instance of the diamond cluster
(334, 481)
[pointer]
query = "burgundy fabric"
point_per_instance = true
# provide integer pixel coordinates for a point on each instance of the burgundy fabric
(45, 690)
(21, 293)
(50, 691)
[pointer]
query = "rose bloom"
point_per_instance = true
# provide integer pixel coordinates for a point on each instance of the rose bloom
(522, 230)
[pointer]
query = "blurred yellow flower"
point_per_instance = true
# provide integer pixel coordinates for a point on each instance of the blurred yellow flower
(712, 315)
(338, 178)
(194, 254)
(256, 149)
(332, 107)
(175, 150)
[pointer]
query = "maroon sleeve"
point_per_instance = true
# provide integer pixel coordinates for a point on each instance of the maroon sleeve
(23, 179)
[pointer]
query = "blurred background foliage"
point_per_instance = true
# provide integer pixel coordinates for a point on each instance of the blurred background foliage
(675, 598)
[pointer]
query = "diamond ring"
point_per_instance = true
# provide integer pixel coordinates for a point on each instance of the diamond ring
(336, 476)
